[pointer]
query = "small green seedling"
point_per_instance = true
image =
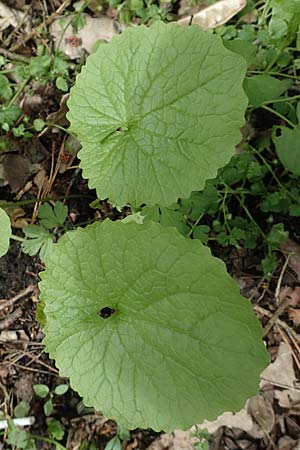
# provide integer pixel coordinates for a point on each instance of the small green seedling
(40, 237)
(43, 391)
(201, 439)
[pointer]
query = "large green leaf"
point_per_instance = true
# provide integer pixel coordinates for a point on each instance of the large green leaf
(5, 232)
(182, 345)
(158, 111)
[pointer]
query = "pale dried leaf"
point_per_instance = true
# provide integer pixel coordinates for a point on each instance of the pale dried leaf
(281, 371)
(95, 29)
(286, 443)
(59, 117)
(41, 179)
(8, 336)
(240, 420)
(262, 411)
(288, 398)
(178, 440)
(297, 446)
(215, 15)
(9, 16)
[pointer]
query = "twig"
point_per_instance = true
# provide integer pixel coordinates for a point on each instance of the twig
(5, 323)
(36, 359)
(282, 385)
(284, 325)
(279, 282)
(275, 316)
(286, 340)
(31, 369)
(18, 27)
(12, 300)
(13, 56)
(45, 22)
(282, 306)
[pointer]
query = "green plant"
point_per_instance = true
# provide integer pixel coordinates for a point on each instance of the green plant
(43, 391)
(201, 439)
(137, 315)
(22, 439)
(145, 10)
(40, 237)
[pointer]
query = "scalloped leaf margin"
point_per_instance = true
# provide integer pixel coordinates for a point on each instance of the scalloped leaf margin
(181, 344)
(158, 111)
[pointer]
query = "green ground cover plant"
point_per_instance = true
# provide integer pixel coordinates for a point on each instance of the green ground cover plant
(137, 315)
(132, 320)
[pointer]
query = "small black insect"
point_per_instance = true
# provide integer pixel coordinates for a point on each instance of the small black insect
(106, 312)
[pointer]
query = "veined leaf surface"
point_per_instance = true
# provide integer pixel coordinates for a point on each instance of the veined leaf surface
(149, 326)
(158, 110)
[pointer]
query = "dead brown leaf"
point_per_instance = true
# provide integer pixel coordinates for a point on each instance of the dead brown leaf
(286, 443)
(17, 217)
(288, 398)
(262, 411)
(294, 295)
(241, 420)
(41, 179)
(17, 169)
(59, 117)
(294, 315)
(31, 103)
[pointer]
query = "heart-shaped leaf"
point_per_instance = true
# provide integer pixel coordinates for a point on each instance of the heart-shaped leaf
(158, 110)
(149, 326)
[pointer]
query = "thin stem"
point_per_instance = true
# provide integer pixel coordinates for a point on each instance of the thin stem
(265, 12)
(17, 238)
(251, 218)
(195, 225)
(282, 99)
(237, 191)
(224, 208)
(273, 73)
(274, 60)
(45, 439)
(55, 125)
(18, 92)
(276, 113)
(41, 200)
(273, 174)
